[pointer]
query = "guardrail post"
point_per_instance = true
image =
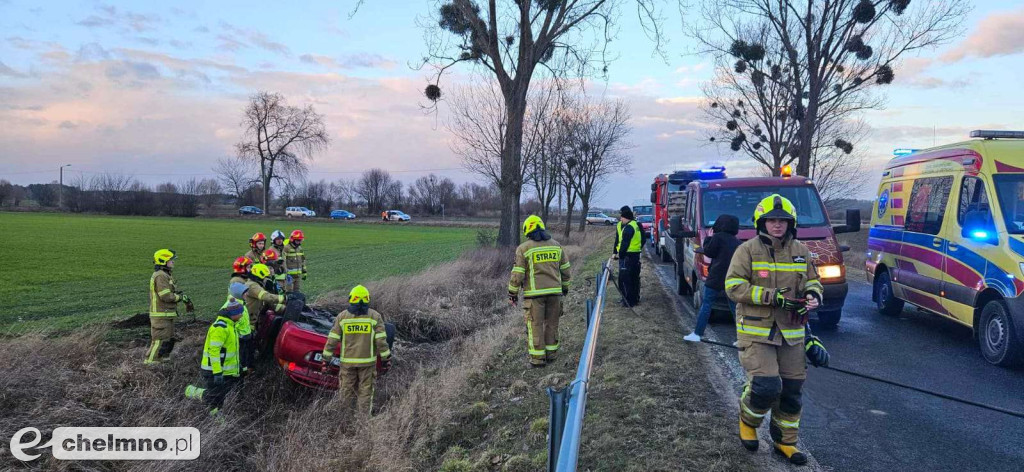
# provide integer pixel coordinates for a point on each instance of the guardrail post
(556, 423)
(590, 309)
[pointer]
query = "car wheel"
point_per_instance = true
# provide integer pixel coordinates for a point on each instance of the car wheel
(885, 299)
(829, 319)
(997, 337)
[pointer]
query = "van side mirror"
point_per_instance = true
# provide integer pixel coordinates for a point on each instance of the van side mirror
(654, 187)
(654, 197)
(978, 226)
(852, 222)
(676, 229)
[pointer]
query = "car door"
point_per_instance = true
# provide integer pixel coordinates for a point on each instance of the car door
(922, 252)
(689, 224)
(966, 258)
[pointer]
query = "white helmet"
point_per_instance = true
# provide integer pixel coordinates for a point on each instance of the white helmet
(277, 234)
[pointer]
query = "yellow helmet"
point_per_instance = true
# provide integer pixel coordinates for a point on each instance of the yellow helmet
(531, 224)
(260, 270)
(163, 256)
(775, 206)
(359, 294)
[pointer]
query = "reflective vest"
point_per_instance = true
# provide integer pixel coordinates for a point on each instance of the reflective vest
(220, 354)
(361, 337)
(162, 299)
(541, 269)
(634, 242)
(243, 326)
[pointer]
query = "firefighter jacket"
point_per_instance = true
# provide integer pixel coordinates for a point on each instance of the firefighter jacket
(362, 337)
(759, 268)
(163, 296)
(256, 296)
(220, 354)
(243, 326)
(294, 259)
(629, 234)
(541, 268)
(253, 256)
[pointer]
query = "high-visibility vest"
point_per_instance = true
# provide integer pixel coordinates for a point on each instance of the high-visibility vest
(634, 242)
(220, 353)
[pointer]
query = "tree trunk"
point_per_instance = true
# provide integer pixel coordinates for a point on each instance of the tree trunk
(584, 208)
(266, 196)
(511, 168)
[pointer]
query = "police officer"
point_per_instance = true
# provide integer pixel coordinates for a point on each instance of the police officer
(773, 282)
(220, 364)
(163, 304)
(362, 336)
(628, 242)
(542, 271)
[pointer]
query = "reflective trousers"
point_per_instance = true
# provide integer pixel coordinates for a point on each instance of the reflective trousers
(775, 376)
(356, 383)
(161, 333)
(542, 314)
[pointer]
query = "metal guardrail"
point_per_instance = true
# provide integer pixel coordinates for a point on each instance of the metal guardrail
(568, 405)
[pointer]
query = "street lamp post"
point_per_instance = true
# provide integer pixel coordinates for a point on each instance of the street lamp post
(60, 189)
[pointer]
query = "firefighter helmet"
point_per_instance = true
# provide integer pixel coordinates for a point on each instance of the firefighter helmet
(260, 271)
(163, 256)
(297, 236)
(257, 238)
(775, 206)
(277, 234)
(269, 256)
(359, 294)
(531, 224)
(241, 265)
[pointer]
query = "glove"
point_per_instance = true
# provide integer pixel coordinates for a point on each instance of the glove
(327, 358)
(513, 299)
(385, 366)
(615, 256)
(789, 304)
(303, 276)
(815, 351)
(565, 291)
(218, 379)
(186, 299)
(798, 316)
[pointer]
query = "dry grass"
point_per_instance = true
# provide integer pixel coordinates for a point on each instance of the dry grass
(451, 319)
(858, 242)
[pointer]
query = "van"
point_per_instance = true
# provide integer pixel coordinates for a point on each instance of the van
(705, 200)
(948, 237)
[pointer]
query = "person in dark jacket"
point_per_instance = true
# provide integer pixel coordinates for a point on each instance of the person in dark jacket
(719, 248)
(629, 241)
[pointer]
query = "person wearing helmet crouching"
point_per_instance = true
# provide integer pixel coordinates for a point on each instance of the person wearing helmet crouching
(257, 299)
(295, 261)
(163, 306)
(362, 336)
(774, 284)
(542, 271)
(257, 244)
(243, 327)
(220, 364)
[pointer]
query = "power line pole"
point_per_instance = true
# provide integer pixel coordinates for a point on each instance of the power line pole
(60, 189)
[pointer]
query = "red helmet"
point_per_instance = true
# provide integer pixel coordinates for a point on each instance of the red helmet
(297, 235)
(269, 255)
(257, 238)
(241, 265)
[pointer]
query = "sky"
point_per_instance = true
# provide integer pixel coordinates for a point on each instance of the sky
(157, 91)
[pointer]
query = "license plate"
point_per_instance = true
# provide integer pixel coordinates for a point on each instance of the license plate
(318, 357)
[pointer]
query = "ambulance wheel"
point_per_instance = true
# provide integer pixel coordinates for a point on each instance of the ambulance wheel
(887, 302)
(999, 343)
(829, 319)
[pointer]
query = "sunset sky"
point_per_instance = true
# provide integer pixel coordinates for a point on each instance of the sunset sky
(156, 91)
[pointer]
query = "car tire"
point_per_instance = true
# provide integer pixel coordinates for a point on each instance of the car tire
(885, 299)
(997, 336)
(829, 319)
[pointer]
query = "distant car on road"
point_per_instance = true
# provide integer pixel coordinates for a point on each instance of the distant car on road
(300, 212)
(398, 215)
(598, 218)
(250, 210)
(646, 222)
(342, 215)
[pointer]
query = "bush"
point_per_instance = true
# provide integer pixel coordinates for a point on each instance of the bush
(486, 237)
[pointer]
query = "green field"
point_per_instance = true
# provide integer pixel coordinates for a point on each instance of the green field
(60, 271)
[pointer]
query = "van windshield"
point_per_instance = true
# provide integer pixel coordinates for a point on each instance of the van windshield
(1010, 190)
(740, 202)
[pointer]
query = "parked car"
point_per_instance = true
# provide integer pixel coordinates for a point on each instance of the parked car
(646, 222)
(250, 210)
(398, 215)
(598, 218)
(342, 215)
(299, 212)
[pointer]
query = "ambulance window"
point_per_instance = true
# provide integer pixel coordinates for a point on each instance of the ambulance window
(972, 198)
(928, 204)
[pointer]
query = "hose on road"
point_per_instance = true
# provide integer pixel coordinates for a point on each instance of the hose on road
(901, 385)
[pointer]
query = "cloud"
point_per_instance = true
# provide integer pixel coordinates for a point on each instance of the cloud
(348, 62)
(91, 52)
(6, 70)
(999, 34)
(93, 21)
(67, 125)
(235, 38)
(108, 16)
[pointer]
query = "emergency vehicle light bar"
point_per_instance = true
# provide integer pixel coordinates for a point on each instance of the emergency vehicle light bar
(994, 134)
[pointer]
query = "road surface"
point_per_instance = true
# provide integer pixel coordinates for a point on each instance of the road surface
(852, 424)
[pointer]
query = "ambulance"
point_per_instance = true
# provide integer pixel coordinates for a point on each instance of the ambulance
(947, 236)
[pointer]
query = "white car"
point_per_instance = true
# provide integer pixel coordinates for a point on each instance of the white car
(300, 212)
(598, 218)
(397, 215)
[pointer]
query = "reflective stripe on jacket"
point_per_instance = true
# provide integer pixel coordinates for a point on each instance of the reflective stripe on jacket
(541, 269)
(635, 241)
(163, 300)
(361, 337)
(294, 259)
(256, 297)
(243, 326)
(220, 354)
(759, 267)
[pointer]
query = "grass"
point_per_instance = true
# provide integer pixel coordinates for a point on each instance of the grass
(63, 270)
(858, 242)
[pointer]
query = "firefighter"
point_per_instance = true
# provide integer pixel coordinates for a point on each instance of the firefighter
(773, 283)
(277, 242)
(244, 328)
(276, 265)
(257, 243)
(629, 239)
(163, 303)
(360, 331)
(257, 298)
(220, 365)
(542, 270)
(295, 261)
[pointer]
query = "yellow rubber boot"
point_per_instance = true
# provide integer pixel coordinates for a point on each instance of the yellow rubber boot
(748, 436)
(792, 453)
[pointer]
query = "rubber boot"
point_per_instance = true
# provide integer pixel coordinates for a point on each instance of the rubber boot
(748, 436)
(792, 453)
(194, 393)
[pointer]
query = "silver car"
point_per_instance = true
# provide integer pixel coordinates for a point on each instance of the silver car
(598, 218)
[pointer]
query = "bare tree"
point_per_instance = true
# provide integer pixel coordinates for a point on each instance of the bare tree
(821, 53)
(374, 187)
(236, 174)
(598, 148)
(510, 40)
(345, 193)
(281, 138)
(6, 190)
(431, 193)
(209, 193)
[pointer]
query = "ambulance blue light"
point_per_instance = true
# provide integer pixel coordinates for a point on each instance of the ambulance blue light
(903, 152)
(979, 234)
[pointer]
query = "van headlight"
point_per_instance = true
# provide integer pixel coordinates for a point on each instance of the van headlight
(830, 271)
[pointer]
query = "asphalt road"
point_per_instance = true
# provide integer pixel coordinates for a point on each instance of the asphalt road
(852, 424)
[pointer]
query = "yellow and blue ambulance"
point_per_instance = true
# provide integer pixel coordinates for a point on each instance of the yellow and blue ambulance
(947, 235)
